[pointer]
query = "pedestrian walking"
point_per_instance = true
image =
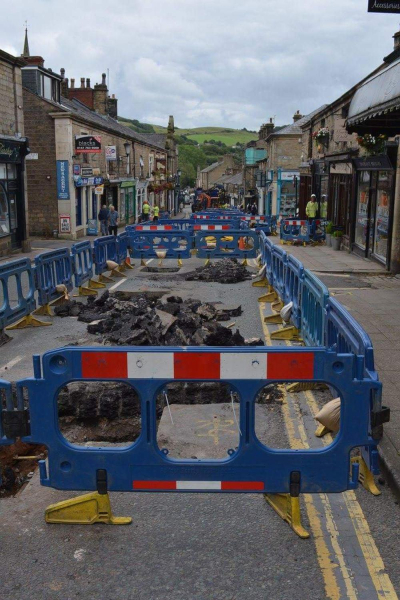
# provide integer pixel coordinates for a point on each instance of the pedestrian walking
(254, 209)
(311, 208)
(103, 219)
(113, 221)
(146, 211)
(156, 212)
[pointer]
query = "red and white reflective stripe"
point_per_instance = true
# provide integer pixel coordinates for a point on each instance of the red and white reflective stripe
(198, 365)
(211, 227)
(199, 485)
(153, 227)
(294, 222)
(253, 218)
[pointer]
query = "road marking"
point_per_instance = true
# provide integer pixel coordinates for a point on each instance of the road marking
(10, 364)
(120, 282)
(299, 438)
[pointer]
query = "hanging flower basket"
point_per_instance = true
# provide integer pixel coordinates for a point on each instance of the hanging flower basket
(373, 144)
(321, 136)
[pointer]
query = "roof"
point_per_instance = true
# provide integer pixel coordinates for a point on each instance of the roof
(210, 167)
(379, 94)
(295, 128)
(235, 179)
(76, 107)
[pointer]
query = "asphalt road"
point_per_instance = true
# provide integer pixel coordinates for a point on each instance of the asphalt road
(197, 546)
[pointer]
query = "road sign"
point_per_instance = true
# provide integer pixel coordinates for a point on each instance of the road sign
(384, 6)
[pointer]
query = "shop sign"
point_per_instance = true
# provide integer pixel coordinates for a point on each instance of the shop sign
(88, 144)
(32, 156)
(65, 223)
(384, 6)
(111, 153)
(288, 175)
(62, 180)
(80, 181)
(86, 171)
(96, 171)
(77, 169)
(92, 227)
(373, 163)
(9, 151)
(99, 190)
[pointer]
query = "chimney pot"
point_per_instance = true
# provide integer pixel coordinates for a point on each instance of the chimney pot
(72, 83)
(62, 72)
(396, 38)
(103, 79)
(87, 82)
(82, 82)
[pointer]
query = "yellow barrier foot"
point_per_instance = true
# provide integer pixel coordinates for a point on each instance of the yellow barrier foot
(321, 431)
(287, 333)
(193, 251)
(84, 510)
(105, 279)
(207, 262)
(278, 305)
(117, 273)
(304, 386)
(365, 476)
(128, 264)
(43, 311)
(180, 263)
(277, 319)
(260, 282)
(245, 263)
(288, 508)
(96, 285)
(270, 297)
(28, 321)
(83, 290)
(142, 263)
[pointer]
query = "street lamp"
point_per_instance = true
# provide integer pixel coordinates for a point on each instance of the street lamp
(177, 189)
(127, 147)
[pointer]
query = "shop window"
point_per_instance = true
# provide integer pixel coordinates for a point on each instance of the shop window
(4, 212)
(381, 233)
(362, 210)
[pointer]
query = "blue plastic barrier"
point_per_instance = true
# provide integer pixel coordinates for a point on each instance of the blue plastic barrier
(267, 246)
(251, 467)
(145, 244)
(182, 224)
(105, 248)
(293, 288)
(82, 260)
(314, 299)
(161, 225)
(52, 269)
(229, 244)
(295, 230)
(12, 310)
(122, 247)
(279, 262)
(343, 334)
(318, 230)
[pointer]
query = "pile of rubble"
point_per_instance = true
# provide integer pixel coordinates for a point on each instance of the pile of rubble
(227, 270)
(147, 322)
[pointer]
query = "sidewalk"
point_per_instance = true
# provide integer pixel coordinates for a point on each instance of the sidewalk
(373, 298)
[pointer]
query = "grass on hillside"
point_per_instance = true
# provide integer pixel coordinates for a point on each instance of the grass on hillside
(230, 137)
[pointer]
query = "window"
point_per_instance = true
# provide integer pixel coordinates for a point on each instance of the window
(49, 88)
(4, 212)
(322, 123)
(345, 111)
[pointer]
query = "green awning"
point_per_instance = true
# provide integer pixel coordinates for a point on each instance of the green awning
(128, 184)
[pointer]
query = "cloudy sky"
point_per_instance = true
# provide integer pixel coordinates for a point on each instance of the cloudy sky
(228, 63)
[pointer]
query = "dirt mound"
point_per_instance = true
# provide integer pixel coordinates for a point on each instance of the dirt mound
(227, 270)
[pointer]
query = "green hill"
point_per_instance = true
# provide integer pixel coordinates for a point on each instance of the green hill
(228, 136)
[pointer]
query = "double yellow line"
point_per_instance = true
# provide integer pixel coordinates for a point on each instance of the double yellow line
(336, 574)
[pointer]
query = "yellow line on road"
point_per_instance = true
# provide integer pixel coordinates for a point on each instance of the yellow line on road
(373, 559)
(298, 439)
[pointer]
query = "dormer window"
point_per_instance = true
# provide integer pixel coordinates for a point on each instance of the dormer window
(49, 88)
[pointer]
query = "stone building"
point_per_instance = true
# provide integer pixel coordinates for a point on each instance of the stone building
(354, 179)
(13, 151)
(86, 158)
(210, 175)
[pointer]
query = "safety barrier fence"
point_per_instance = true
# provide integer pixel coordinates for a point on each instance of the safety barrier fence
(302, 230)
(144, 466)
(321, 321)
(161, 244)
(234, 243)
(52, 270)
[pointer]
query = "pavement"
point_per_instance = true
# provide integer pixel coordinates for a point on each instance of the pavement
(373, 298)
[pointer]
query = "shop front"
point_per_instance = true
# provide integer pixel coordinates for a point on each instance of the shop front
(13, 233)
(288, 192)
(127, 202)
(336, 207)
(374, 207)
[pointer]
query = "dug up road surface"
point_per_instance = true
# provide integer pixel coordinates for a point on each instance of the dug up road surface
(199, 546)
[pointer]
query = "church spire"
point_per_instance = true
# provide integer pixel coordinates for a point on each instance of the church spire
(25, 53)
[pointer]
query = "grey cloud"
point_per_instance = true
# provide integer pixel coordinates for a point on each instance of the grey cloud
(208, 62)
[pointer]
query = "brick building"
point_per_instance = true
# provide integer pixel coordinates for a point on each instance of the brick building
(13, 150)
(86, 157)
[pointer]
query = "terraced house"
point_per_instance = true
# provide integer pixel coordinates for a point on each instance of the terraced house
(86, 158)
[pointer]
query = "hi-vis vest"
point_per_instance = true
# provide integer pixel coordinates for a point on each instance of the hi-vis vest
(156, 211)
(311, 209)
(146, 208)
